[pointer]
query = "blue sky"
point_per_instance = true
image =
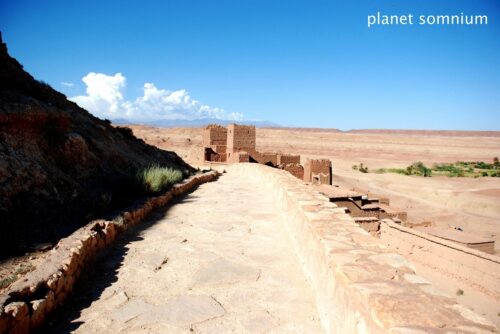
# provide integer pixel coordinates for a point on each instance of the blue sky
(298, 63)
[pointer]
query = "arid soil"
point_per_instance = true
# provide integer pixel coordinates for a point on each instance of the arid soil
(472, 204)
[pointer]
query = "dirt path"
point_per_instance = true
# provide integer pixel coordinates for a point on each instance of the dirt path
(219, 261)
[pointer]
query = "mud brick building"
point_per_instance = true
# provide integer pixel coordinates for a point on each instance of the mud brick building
(318, 171)
(241, 138)
(214, 141)
(237, 143)
(367, 212)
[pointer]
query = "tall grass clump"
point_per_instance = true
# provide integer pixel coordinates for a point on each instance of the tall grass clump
(155, 178)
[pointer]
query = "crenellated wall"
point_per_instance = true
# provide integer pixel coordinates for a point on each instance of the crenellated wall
(360, 285)
(318, 171)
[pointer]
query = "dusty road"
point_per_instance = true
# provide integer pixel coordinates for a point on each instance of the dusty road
(219, 261)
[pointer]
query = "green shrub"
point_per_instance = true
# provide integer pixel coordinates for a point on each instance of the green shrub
(155, 178)
(418, 168)
(483, 165)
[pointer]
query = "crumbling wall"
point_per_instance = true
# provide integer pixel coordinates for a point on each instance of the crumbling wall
(295, 169)
(318, 171)
(211, 155)
(269, 159)
(214, 142)
(241, 138)
(360, 285)
(284, 159)
(462, 263)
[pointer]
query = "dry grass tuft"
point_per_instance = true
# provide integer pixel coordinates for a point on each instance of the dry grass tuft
(155, 178)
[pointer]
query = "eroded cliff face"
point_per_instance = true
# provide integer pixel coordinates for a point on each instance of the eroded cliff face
(59, 165)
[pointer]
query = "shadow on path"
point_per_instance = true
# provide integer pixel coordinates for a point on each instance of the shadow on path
(102, 273)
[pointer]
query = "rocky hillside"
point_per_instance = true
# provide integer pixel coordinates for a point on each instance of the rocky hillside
(59, 165)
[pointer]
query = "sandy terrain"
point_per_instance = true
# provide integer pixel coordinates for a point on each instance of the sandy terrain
(210, 264)
(472, 204)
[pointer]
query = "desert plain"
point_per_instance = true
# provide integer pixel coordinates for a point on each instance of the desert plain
(469, 204)
(472, 204)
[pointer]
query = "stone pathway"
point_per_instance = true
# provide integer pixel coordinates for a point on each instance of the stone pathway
(219, 261)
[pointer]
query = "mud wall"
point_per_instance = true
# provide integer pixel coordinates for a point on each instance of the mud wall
(214, 135)
(237, 157)
(295, 169)
(321, 168)
(469, 265)
(28, 302)
(288, 159)
(360, 286)
(354, 209)
(240, 138)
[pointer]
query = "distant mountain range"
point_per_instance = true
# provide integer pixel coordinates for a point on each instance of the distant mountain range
(196, 123)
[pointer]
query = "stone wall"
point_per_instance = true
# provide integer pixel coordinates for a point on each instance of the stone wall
(360, 285)
(479, 269)
(240, 138)
(28, 302)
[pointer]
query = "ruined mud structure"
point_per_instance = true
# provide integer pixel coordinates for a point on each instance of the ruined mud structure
(237, 143)
(367, 212)
(318, 171)
(214, 138)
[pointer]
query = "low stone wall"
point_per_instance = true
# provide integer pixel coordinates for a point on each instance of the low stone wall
(478, 269)
(360, 286)
(26, 304)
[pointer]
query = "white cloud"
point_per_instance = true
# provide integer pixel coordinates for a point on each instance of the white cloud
(67, 84)
(105, 99)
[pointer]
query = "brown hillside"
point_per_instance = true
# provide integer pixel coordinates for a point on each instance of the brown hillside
(59, 165)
